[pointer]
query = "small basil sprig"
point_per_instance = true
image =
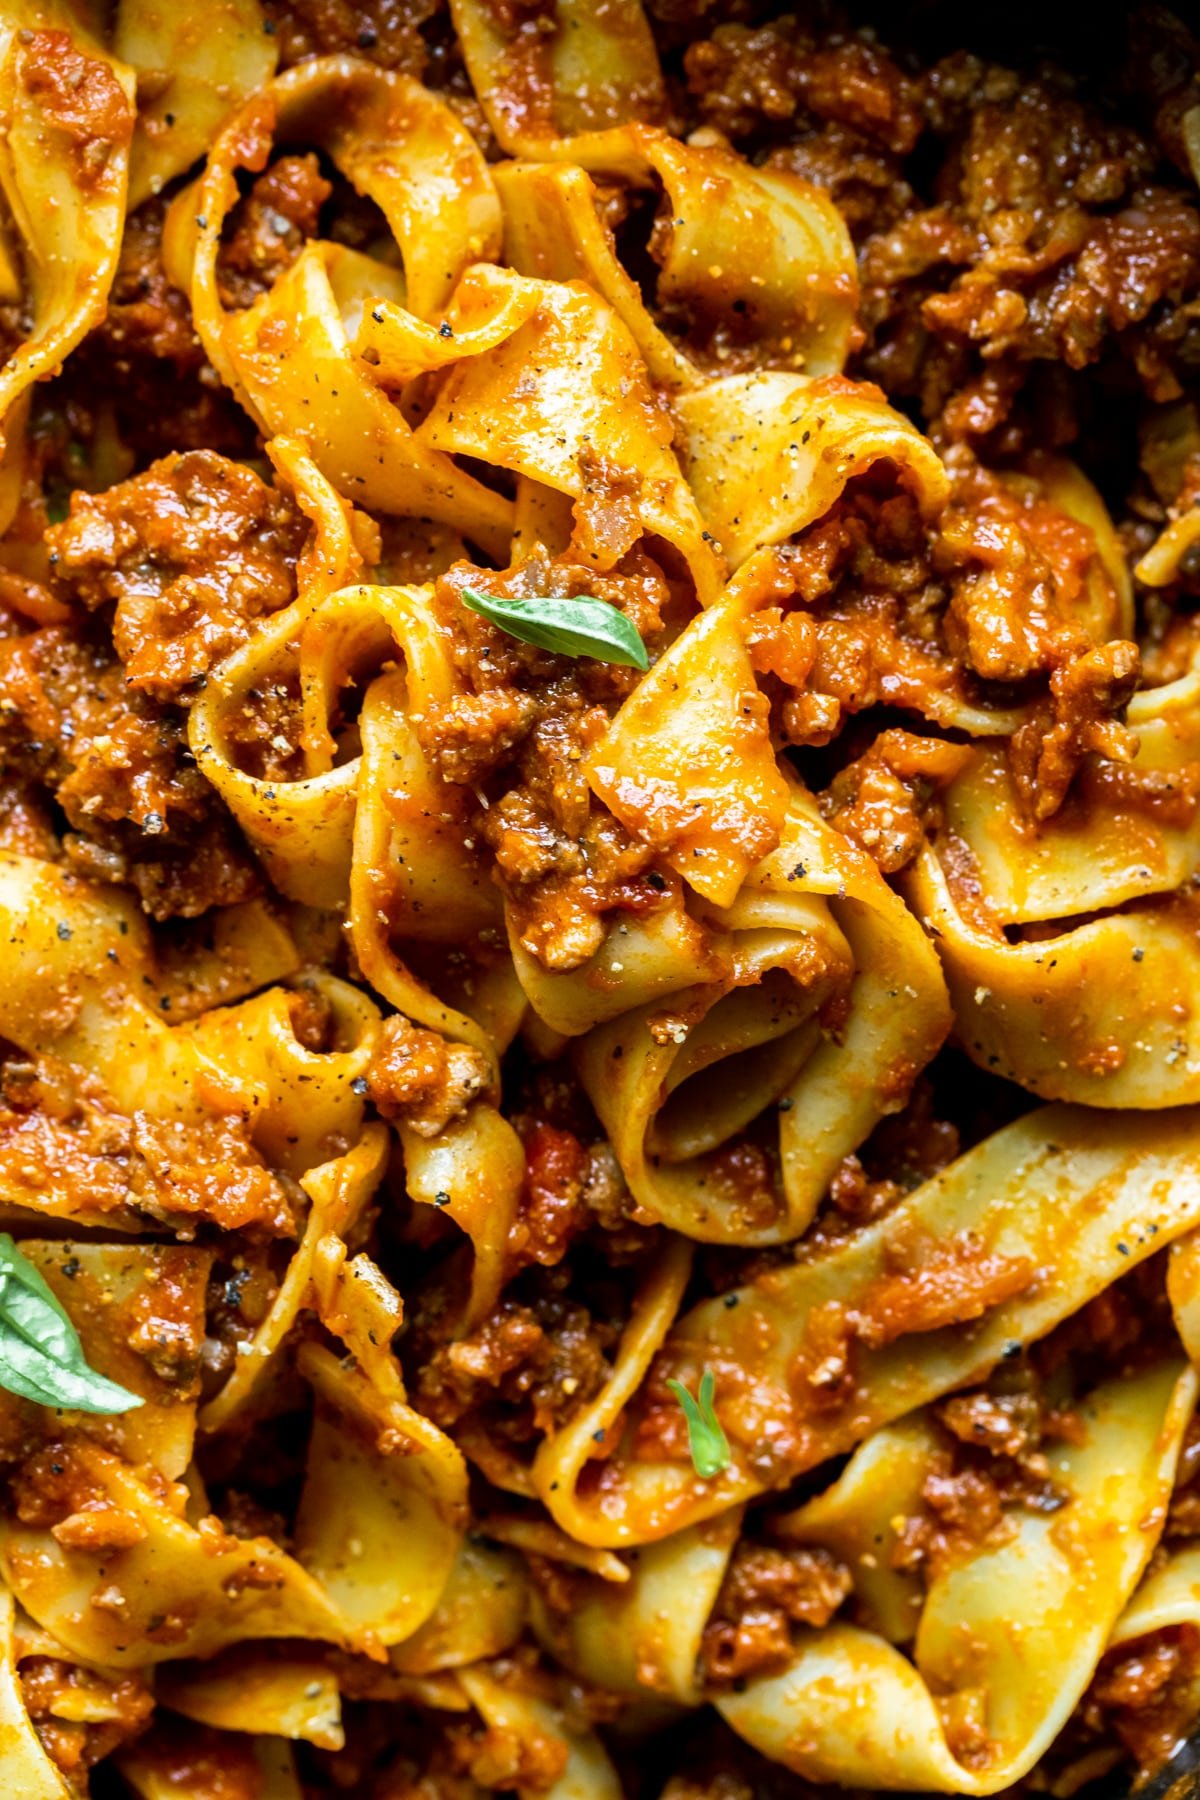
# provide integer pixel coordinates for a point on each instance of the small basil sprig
(579, 627)
(706, 1440)
(41, 1357)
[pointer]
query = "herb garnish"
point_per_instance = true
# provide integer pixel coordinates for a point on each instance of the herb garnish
(41, 1357)
(706, 1440)
(579, 627)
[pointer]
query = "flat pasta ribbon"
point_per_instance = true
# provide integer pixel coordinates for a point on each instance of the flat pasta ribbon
(647, 1636)
(192, 69)
(291, 1695)
(1012, 1238)
(768, 453)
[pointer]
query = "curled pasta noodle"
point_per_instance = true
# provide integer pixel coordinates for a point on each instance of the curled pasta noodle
(755, 251)
(472, 1171)
(675, 1080)
(768, 453)
(25, 1761)
(847, 1691)
(338, 1192)
(389, 136)
(253, 1589)
(858, 1519)
(287, 1696)
(378, 831)
(63, 177)
(413, 874)
(82, 955)
(373, 1459)
(1065, 967)
(585, 1771)
(192, 70)
(480, 1615)
(594, 65)
(127, 1298)
(648, 1636)
(301, 829)
(1122, 1187)
(541, 405)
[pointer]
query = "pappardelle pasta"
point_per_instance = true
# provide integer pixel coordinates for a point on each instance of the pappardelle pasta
(600, 903)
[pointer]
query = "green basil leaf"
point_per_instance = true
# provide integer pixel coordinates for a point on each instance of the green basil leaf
(706, 1440)
(41, 1357)
(578, 627)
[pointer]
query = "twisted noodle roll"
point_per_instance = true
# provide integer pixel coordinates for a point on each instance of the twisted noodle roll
(541, 404)
(415, 872)
(67, 208)
(193, 68)
(373, 1461)
(376, 831)
(847, 1692)
(767, 453)
(737, 246)
(391, 139)
(485, 308)
(301, 829)
(339, 1193)
(473, 1172)
(1094, 1003)
(1085, 1195)
(648, 1635)
(813, 927)
(858, 1519)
